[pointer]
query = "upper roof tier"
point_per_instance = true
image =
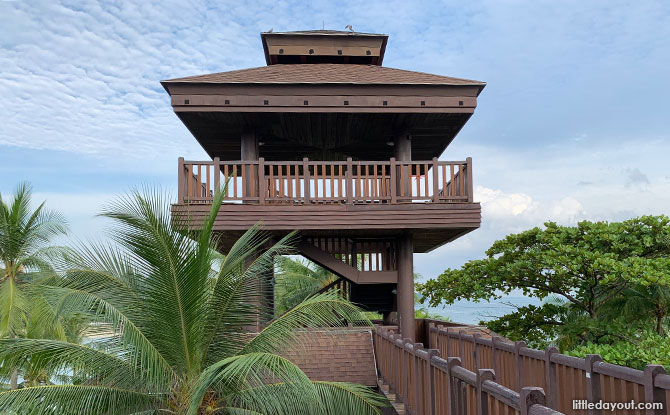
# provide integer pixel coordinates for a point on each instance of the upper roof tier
(324, 46)
(323, 95)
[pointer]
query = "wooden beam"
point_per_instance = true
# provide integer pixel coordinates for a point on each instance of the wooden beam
(343, 270)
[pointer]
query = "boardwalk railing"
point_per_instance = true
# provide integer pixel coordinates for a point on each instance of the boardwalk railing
(563, 378)
(310, 181)
(429, 384)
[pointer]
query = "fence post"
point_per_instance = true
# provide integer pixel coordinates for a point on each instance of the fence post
(349, 177)
(652, 393)
(180, 180)
(494, 354)
(418, 404)
(436, 180)
(468, 161)
(217, 175)
(475, 350)
(431, 382)
(593, 391)
(394, 182)
(307, 185)
(405, 373)
(528, 397)
(518, 362)
(446, 346)
(261, 181)
(461, 346)
(550, 378)
(454, 393)
(393, 365)
(482, 397)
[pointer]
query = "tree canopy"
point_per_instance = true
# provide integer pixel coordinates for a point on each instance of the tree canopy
(578, 272)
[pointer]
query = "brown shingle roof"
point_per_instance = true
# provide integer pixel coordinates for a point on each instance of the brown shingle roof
(326, 74)
(340, 355)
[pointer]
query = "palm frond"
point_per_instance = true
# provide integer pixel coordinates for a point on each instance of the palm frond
(75, 400)
(242, 379)
(350, 398)
(14, 307)
(328, 309)
(236, 296)
(138, 347)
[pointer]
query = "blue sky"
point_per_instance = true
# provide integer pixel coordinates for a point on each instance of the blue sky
(573, 124)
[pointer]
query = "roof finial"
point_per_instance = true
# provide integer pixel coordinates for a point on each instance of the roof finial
(351, 29)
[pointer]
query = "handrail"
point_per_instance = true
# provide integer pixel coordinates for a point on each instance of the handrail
(328, 182)
(428, 384)
(563, 378)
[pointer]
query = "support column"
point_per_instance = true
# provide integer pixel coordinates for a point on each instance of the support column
(249, 152)
(406, 286)
(402, 149)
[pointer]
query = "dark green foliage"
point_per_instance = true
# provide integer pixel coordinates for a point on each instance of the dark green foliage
(596, 280)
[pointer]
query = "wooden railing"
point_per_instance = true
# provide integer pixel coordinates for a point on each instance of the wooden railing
(428, 384)
(363, 254)
(308, 181)
(563, 378)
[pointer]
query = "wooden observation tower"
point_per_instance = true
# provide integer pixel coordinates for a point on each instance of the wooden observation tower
(326, 140)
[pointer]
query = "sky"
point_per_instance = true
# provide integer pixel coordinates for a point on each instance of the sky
(574, 122)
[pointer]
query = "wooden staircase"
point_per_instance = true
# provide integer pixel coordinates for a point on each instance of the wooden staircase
(366, 267)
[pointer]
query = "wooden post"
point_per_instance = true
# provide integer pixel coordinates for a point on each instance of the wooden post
(180, 180)
(454, 395)
(436, 180)
(262, 184)
(518, 361)
(350, 181)
(461, 345)
(469, 176)
(405, 372)
(217, 175)
(593, 390)
(431, 381)
(405, 287)
(307, 184)
(528, 397)
(651, 392)
(418, 387)
(482, 397)
(551, 380)
(394, 182)
(447, 342)
(475, 351)
(494, 354)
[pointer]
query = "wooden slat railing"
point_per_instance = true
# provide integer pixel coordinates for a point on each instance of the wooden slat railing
(563, 378)
(428, 384)
(309, 181)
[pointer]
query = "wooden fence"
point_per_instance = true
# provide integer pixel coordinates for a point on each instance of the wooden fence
(310, 181)
(428, 384)
(563, 378)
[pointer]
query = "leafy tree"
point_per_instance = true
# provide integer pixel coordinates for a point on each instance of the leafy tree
(25, 252)
(586, 266)
(297, 280)
(643, 349)
(170, 316)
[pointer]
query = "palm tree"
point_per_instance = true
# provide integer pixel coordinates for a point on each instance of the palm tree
(172, 315)
(641, 303)
(297, 280)
(25, 253)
